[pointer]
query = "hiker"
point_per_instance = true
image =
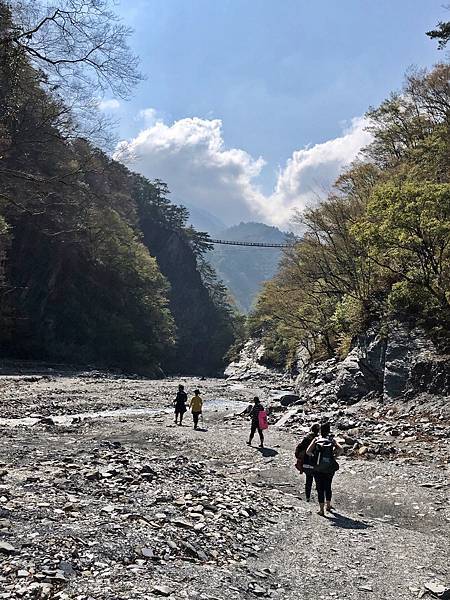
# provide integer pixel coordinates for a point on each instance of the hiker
(180, 404)
(323, 451)
(304, 461)
(196, 405)
(259, 421)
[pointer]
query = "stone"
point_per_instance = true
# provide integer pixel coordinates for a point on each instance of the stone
(67, 568)
(182, 523)
(22, 573)
(438, 590)
(147, 553)
(161, 590)
(193, 551)
(289, 399)
(257, 589)
(8, 549)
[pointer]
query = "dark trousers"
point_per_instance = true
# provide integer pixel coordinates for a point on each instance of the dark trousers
(195, 416)
(179, 412)
(323, 486)
(309, 475)
(255, 426)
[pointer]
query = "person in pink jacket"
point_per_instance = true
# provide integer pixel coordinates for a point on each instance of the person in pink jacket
(255, 426)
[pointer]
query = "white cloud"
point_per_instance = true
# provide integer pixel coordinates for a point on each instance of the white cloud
(149, 116)
(109, 105)
(190, 155)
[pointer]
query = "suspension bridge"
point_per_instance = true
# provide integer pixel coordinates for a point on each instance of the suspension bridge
(252, 244)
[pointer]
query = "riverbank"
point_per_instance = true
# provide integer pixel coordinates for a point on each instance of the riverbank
(127, 505)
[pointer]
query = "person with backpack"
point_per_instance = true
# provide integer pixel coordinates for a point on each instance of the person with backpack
(323, 451)
(196, 405)
(303, 464)
(259, 421)
(180, 404)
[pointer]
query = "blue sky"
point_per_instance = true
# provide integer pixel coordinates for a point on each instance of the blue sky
(274, 77)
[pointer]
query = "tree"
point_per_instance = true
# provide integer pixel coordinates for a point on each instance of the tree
(76, 44)
(407, 231)
(379, 245)
(79, 50)
(441, 33)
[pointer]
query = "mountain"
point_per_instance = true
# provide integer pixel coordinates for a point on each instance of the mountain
(243, 269)
(97, 266)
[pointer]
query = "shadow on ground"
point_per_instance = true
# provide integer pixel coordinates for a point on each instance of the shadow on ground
(267, 452)
(338, 520)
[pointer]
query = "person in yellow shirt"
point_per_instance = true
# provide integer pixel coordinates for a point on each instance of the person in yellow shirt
(196, 405)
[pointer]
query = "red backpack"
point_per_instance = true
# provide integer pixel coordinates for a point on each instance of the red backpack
(262, 420)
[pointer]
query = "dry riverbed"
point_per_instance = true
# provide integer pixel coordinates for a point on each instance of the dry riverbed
(103, 497)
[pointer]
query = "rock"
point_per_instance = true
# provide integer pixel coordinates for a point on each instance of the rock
(289, 399)
(249, 365)
(22, 573)
(147, 553)
(8, 549)
(161, 590)
(193, 551)
(256, 589)
(438, 590)
(182, 523)
(67, 568)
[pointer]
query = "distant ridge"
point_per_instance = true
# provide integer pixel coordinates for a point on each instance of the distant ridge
(244, 269)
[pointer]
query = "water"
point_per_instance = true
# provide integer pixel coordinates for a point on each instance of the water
(219, 404)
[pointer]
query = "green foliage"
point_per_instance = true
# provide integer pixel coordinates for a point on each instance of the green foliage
(380, 244)
(97, 265)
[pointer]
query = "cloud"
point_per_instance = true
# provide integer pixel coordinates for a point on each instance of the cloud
(191, 156)
(309, 174)
(149, 116)
(108, 105)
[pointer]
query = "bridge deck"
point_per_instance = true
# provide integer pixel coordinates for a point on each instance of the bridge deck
(257, 244)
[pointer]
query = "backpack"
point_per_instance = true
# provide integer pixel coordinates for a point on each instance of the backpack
(262, 420)
(323, 460)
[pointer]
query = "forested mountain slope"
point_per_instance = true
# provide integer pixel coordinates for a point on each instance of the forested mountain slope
(245, 269)
(378, 248)
(96, 264)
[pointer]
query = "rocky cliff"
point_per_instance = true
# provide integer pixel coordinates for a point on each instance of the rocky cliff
(396, 363)
(399, 363)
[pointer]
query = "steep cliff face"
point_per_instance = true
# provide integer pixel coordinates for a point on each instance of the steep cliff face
(204, 328)
(396, 364)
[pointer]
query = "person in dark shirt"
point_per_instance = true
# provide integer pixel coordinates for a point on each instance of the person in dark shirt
(180, 404)
(254, 414)
(324, 479)
(304, 461)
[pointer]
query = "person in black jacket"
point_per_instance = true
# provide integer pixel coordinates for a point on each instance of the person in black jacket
(304, 461)
(180, 404)
(328, 448)
(254, 414)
